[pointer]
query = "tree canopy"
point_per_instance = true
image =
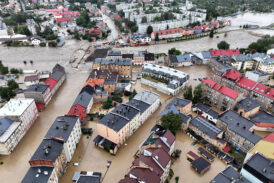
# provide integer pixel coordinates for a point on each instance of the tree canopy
(188, 93)
(149, 30)
(174, 51)
(172, 122)
(223, 45)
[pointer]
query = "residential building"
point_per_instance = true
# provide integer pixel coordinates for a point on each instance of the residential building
(22, 110)
(114, 54)
(30, 80)
(264, 95)
(179, 60)
(50, 153)
(164, 79)
(183, 105)
(258, 169)
(168, 33)
(88, 177)
(162, 25)
(264, 121)
(266, 65)
(219, 95)
(43, 174)
(200, 165)
(244, 62)
(229, 52)
(221, 62)
(238, 130)
(85, 100)
(204, 56)
(11, 133)
(248, 107)
(40, 93)
(121, 65)
(207, 131)
(56, 79)
(66, 129)
(205, 111)
(228, 175)
(257, 76)
(143, 57)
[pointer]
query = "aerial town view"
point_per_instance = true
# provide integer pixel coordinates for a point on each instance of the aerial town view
(136, 91)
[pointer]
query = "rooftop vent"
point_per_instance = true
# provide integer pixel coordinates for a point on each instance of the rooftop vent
(46, 172)
(264, 170)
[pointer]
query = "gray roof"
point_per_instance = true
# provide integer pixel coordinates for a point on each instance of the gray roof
(116, 61)
(259, 72)
(88, 179)
(40, 88)
(207, 128)
(203, 107)
(119, 117)
(183, 58)
(142, 106)
(239, 125)
(179, 102)
(206, 54)
(200, 164)
(114, 53)
(62, 127)
(83, 99)
(147, 96)
(49, 149)
(184, 117)
(57, 75)
(213, 113)
(229, 175)
(248, 104)
(58, 67)
(263, 117)
(258, 163)
(4, 125)
(33, 175)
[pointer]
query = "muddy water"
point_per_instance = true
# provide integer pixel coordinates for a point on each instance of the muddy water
(16, 165)
(182, 166)
(114, 31)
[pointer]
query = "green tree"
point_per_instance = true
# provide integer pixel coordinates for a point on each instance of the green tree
(197, 94)
(172, 122)
(174, 51)
(15, 71)
(188, 93)
(211, 34)
(3, 70)
(13, 85)
(149, 30)
(7, 93)
(157, 37)
(144, 19)
(223, 45)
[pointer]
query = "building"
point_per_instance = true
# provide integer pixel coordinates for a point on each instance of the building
(22, 110)
(248, 107)
(228, 175)
(40, 93)
(219, 95)
(264, 95)
(154, 158)
(229, 52)
(96, 32)
(205, 111)
(88, 177)
(30, 80)
(207, 131)
(179, 60)
(50, 153)
(200, 165)
(43, 174)
(257, 76)
(121, 65)
(238, 130)
(244, 62)
(266, 65)
(258, 169)
(66, 129)
(11, 133)
(264, 121)
(56, 79)
(222, 62)
(3, 28)
(169, 33)
(143, 57)
(164, 79)
(114, 54)
(183, 105)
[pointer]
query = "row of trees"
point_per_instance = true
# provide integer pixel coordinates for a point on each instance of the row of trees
(195, 96)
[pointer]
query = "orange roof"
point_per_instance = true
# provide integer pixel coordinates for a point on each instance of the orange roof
(92, 82)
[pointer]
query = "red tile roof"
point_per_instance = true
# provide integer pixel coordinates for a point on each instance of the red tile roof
(161, 154)
(209, 82)
(233, 75)
(269, 138)
(168, 31)
(145, 174)
(170, 137)
(147, 160)
(228, 53)
(95, 31)
(264, 90)
(78, 110)
(51, 82)
(246, 83)
(40, 106)
(228, 92)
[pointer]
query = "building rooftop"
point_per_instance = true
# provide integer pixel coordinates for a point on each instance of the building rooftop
(83, 99)
(263, 117)
(62, 127)
(138, 104)
(200, 164)
(246, 83)
(57, 75)
(239, 125)
(248, 104)
(232, 75)
(58, 67)
(179, 102)
(107, 75)
(229, 175)
(39, 88)
(37, 174)
(49, 150)
(93, 178)
(261, 166)
(147, 96)
(213, 113)
(16, 107)
(203, 107)
(259, 72)
(207, 128)
(114, 53)
(31, 78)
(229, 52)
(115, 61)
(7, 128)
(145, 174)
(264, 90)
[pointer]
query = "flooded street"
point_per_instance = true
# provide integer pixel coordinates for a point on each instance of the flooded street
(114, 31)
(16, 164)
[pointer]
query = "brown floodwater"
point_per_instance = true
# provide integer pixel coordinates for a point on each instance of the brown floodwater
(16, 164)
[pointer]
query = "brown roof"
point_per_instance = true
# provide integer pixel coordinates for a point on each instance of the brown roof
(145, 174)
(161, 155)
(31, 78)
(147, 160)
(170, 137)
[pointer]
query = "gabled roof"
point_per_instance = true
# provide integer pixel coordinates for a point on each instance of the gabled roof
(263, 117)
(83, 99)
(229, 175)
(57, 75)
(51, 82)
(200, 164)
(144, 174)
(246, 83)
(233, 75)
(229, 52)
(264, 90)
(248, 104)
(78, 110)
(203, 107)
(40, 88)
(58, 67)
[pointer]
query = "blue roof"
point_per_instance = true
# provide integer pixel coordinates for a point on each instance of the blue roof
(206, 54)
(168, 110)
(4, 125)
(183, 58)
